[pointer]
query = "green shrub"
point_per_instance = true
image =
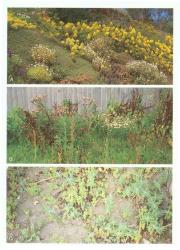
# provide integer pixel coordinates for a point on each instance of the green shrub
(58, 72)
(67, 102)
(15, 60)
(14, 64)
(147, 120)
(15, 123)
(42, 54)
(146, 73)
(70, 15)
(40, 73)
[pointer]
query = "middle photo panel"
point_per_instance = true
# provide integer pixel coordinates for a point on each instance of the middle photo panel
(93, 125)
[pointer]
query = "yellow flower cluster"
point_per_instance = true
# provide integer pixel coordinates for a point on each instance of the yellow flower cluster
(74, 36)
(16, 22)
(169, 40)
(140, 47)
(75, 46)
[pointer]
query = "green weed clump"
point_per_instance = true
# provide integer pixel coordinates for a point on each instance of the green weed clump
(15, 187)
(114, 205)
(15, 121)
(39, 73)
(16, 71)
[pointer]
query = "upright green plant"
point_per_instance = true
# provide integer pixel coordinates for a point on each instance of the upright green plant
(15, 125)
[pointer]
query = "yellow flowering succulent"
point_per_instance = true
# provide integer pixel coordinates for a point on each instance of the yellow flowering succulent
(16, 22)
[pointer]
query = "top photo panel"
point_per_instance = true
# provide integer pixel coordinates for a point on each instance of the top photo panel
(90, 46)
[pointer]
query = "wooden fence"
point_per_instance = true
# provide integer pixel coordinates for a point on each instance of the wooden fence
(22, 96)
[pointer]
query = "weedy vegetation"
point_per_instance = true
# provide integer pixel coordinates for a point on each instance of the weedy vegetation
(126, 132)
(89, 205)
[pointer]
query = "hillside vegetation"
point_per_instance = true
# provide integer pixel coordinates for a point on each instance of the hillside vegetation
(88, 46)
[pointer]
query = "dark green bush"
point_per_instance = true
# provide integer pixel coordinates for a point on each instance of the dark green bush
(15, 125)
(70, 15)
(15, 68)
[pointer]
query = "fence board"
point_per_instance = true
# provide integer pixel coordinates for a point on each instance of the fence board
(22, 96)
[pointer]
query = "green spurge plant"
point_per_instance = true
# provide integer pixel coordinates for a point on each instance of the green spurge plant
(39, 73)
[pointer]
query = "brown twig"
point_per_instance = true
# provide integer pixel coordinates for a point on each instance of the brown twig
(46, 179)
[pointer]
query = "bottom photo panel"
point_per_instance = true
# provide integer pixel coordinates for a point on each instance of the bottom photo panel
(89, 205)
